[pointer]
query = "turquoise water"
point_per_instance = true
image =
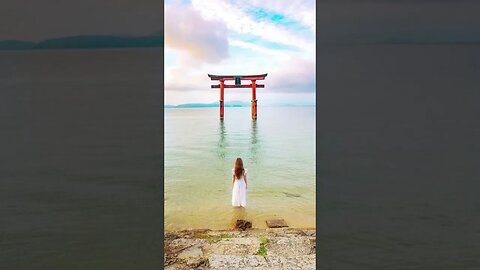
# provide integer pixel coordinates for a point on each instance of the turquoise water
(278, 151)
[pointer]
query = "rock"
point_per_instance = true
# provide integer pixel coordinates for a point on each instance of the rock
(194, 251)
(293, 262)
(313, 243)
(277, 231)
(194, 263)
(310, 232)
(276, 223)
(258, 262)
(243, 224)
(292, 195)
(237, 262)
(290, 246)
(287, 248)
(240, 246)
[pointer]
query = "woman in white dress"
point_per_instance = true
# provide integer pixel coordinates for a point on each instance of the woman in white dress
(239, 181)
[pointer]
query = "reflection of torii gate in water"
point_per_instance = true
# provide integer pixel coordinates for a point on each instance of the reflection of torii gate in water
(238, 84)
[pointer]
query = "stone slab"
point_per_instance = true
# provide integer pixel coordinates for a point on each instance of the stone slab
(233, 246)
(276, 223)
(294, 262)
(288, 246)
(236, 262)
(193, 251)
(227, 262)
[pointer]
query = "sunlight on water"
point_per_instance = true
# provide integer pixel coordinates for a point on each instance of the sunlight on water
(278, 151)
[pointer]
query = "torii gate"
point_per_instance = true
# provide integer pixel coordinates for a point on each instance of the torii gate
(238, 84)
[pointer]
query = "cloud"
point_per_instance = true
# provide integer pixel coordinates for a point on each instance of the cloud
(298, 75)
(180, 79)
(260, 38)
(198, 39)
(237, 19)
(256, 48)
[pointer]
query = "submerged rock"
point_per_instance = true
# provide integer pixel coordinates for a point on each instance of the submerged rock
(243, 224)
(292, 195)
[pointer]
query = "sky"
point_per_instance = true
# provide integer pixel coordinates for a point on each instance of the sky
(388, 21)
(251, 36)
(240, 37)
(37, 20)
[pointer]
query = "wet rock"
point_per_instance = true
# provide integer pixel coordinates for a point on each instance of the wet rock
(310, 233)
(243, 224)
(276, 223)
(292, 195)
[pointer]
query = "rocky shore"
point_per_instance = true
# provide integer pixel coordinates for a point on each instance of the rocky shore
(279, 248)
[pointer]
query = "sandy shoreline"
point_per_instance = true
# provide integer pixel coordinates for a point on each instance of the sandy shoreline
(281, 248)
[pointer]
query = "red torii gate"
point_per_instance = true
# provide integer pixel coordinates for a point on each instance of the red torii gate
(238, 84)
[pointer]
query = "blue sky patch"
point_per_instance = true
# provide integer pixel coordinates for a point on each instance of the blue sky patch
(276, 18)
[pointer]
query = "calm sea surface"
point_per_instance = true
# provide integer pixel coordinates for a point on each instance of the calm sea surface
(399, 157)
(278, 151)
(81, 159)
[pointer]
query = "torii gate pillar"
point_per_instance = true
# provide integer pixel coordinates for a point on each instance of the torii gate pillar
(254, 100)
(221, 99)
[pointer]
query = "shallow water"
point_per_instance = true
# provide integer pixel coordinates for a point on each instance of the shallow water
(80, 159)
(278, 151)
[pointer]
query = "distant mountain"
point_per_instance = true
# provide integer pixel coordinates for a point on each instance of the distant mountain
(86, 42)
(16, 45)
(233, 104)
(207, 105)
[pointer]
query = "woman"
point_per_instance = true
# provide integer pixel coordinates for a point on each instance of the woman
(239, 181)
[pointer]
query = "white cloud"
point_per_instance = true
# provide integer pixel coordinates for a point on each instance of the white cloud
(259, 49)
(298, 75)
(198, 39)
(237, 20)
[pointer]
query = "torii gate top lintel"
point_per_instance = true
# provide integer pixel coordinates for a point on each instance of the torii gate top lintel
(238, 84)
(233, 77)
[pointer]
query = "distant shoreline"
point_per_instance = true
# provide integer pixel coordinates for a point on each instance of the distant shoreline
(85, 42)
(232, 106)
(73, 50)
(78, 49)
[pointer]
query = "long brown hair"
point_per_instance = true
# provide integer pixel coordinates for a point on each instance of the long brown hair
(239, 168)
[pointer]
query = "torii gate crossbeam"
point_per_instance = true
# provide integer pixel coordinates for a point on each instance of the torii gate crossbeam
(238, 84)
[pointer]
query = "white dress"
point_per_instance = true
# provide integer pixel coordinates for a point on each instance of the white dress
(239, 191)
